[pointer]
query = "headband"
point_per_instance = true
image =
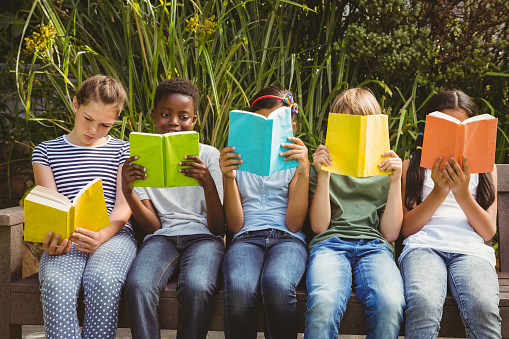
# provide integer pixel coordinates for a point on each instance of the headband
(287, 100)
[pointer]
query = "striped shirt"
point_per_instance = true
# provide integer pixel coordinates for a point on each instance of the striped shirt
(75, 166)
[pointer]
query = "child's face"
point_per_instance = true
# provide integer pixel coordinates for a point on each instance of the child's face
(458, 113)
(93, 122)
(174, 113)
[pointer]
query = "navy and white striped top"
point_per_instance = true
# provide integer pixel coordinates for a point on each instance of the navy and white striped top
(75, 166)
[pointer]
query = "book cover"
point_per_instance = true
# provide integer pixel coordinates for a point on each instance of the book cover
(160, 154)
(356, 144)
(446, 136)
(258, 139)
(47, 210)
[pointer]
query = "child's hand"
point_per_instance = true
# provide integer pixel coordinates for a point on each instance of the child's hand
(439, 179)
(393, 163)
(321, 157)
(131, 172)
(227, 164)
(88, 241)
(198, 170)
(457, 178)
(297, 151)
(50, 244)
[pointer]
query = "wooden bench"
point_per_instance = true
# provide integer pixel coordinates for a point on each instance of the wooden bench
(20, 298)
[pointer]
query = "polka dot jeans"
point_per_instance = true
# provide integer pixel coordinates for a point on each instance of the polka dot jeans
(101, 274)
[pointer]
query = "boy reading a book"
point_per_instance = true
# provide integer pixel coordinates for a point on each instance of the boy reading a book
(184, 225)
(354, 219)
(98, 261)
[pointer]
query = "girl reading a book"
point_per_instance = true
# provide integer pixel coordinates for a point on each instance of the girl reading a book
(355, 221)
(448, 214)
(267, 257)
(98, 261)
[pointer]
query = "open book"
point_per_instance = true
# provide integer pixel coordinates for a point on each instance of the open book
(356, 144)
(475, 137)
(47, 210)
(258, 139)
(160, 154)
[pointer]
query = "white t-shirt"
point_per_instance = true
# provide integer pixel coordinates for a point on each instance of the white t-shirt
(182, 210)
(448, 230)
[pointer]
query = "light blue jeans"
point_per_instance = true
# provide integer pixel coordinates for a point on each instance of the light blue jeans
(199, 258)
(334, 264)
(263, 265)
(473, 283)
(101, 275)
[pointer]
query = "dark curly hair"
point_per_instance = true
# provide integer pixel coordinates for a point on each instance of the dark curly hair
(177, 86)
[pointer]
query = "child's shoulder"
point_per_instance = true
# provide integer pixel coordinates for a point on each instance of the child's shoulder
(208, 151)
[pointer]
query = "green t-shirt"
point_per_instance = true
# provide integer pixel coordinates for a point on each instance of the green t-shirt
(356, 206)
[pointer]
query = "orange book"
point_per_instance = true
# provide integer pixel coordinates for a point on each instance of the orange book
(475, 137)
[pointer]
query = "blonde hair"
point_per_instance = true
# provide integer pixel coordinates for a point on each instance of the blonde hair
(356, 101)
(102, 89)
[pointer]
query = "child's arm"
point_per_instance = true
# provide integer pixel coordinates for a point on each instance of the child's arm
(44, 177)
(89, 241)
(392, 218)
(484, 222)
(143, 210)
(215, 211)
(416, 218)
(232, 202)
(298, 194)
(320, 211)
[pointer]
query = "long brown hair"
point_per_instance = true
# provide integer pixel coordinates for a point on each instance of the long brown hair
(415, 174)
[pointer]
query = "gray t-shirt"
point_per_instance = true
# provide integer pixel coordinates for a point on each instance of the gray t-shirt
(182, 210)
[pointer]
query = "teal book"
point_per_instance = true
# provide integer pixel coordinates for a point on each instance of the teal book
(160, 154)
(258, 139)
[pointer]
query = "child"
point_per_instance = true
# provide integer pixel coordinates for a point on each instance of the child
(448, 214)
(267, 257)
(355, 220)
(183, 226)
(95, 261)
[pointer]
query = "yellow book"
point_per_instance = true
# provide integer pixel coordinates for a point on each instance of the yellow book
(356, 144)
(47, 210)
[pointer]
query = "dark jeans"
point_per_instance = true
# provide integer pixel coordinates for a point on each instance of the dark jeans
(266, 265)
(200, 261)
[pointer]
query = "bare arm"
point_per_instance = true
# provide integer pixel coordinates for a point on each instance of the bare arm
(484, 222)
(215, 211)
(298, 194)
(143, 210)
(320, 210)
(392, 218)
(231, 201)
(415, 219)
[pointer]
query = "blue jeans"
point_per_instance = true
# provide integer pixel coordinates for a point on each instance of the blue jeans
(473, 283)
(266, 265)
(200, 262)
(333, 264)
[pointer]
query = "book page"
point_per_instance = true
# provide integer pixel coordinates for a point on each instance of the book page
(177, 146)
(149, 149)
(90, 208)
(281, 130)
(377, 142)
(49, 194)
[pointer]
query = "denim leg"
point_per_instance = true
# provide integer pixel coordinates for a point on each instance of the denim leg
(103, 279)
(474, 286)
(200, 264)
(60, 282)
(329, 285)
(242, 267)
(285, 264)
(425, 279)
(379, 287)
(152, 268)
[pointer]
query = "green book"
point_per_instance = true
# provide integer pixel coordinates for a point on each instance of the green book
(160, 154)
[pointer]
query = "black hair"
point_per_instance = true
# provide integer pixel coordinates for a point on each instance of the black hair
(269, 102)
(177, 86)
(415, 174)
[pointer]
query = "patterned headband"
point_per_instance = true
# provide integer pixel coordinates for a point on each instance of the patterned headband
(287, 100)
